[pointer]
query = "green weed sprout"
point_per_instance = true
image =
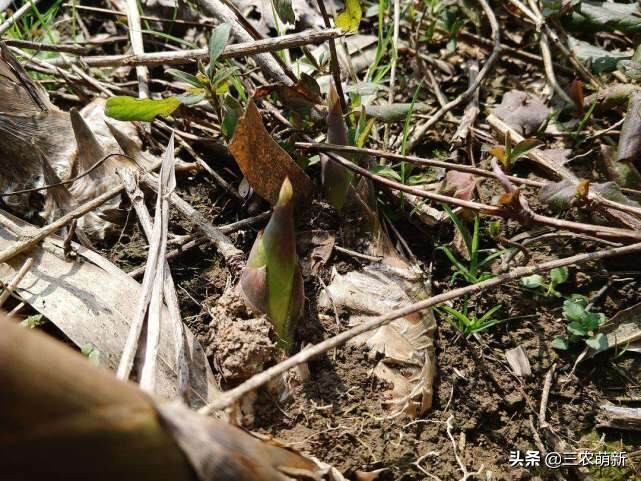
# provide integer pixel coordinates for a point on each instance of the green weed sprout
(473, 271)
(468, 325)
(583, 325)
(546, 287)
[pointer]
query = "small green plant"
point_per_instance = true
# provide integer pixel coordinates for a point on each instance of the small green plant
(583, 325)
(472, 272)
(546, 286)
(212, 82)
(452, 20)
(469, 324)
(508, 155)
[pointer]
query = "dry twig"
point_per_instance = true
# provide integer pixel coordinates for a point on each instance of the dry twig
(248, 48)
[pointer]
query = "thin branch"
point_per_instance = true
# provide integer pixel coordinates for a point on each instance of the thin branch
(394, 59)
(249, 48)
(201, 23)
(471, 111)
(266, 62)
(232, 396)
(13, 283)
(420, 132)
(541, 25)
(544, 397)
(65, 182)
(137, 46)
(413, 160)
(536, 156)
(549, 69)
(600, 231)
(547, 59)
(333, 58)
(191, 241)
(46, 47)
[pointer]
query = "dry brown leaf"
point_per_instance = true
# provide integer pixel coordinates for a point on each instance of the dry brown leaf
(39, 138)
(406, 344)
(316, 247)
(90, 300)
(263, 162)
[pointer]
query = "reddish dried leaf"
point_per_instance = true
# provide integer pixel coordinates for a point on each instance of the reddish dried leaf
(263, 162)
(577, 94)
(303, 95)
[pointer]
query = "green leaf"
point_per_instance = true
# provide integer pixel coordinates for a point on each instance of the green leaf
(285, 11)
(601, 60)
(593, 320)
(386, 171)
(145, 110)
(467, 237)
(522, 148)
(630, 68)
(532, 282)
(577, 329)
(560, 343)
(488, 315)
(217, 41)
(608, 16)
(461, 269)
(598, 343)
(350, 18)
(573, 310)
(192, 98)
(559, 275)
(233, 112)
(580, 299)
(185, 77)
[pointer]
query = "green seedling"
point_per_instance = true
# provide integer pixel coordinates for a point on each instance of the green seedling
(546, 286)
(272, 282)
(472, 272)
(583, 325)
(508, 155)
(466, 324)
(452, 21)
(211, 82)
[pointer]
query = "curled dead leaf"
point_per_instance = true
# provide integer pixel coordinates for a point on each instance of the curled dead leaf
(263, 162)
(406, 344)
